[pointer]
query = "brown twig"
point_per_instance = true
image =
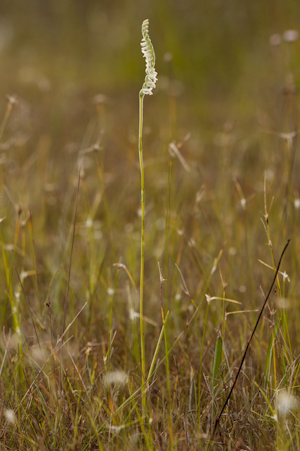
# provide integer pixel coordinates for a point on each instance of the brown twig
(249, 341)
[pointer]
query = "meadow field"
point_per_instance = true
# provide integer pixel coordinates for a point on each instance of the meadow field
(86, 363)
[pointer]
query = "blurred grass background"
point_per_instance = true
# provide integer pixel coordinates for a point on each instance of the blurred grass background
(218, 47)
(220, 81)
(59, 54)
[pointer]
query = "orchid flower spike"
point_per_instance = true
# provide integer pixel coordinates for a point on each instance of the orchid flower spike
(149, 54)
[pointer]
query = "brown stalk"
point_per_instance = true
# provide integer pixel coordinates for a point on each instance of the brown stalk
(249, 341)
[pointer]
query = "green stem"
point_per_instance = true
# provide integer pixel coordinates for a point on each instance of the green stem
(143, 363)
(201, 357)
(166, 308)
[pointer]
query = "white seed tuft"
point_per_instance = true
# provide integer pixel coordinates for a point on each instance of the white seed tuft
(118, 377)
(290, 35)
(116, 429)
(10, 416)
(286, 403)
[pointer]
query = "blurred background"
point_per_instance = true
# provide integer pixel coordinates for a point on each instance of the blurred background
(218, 54)
(71, 72)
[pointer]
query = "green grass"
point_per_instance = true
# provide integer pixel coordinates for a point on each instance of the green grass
(222, 192)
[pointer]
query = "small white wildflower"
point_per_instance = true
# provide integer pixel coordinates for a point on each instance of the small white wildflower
(110, 291)
(148, 52)
(118, 377)
(10, 416)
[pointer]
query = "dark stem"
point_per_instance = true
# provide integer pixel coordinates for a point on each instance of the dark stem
(249, 341)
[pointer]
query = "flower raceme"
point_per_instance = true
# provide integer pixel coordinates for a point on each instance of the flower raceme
(149, 54)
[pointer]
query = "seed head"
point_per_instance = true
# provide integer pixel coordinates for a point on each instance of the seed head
(286, 403)
(10, 416)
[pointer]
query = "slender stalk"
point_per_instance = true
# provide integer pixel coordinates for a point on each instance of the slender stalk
(167, 279)
(148, 86)
(143, 361)
(201, 358)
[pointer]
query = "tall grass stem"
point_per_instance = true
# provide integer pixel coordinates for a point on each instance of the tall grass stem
(142, 332)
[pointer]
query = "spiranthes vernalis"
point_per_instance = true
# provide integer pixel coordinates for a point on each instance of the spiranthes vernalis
(149, 54)
(149, 84)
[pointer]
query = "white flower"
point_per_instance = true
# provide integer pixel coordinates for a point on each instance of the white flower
(148, 52)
